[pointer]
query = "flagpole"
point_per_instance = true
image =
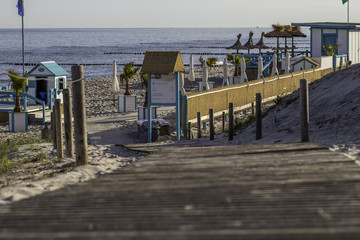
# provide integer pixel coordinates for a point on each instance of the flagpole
(348, 13)
(23, 45)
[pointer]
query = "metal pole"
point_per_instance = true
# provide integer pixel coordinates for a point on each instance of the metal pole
(348, 13)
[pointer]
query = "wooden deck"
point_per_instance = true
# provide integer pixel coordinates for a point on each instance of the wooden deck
(280, 191)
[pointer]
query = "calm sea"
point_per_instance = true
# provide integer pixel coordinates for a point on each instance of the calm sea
(91, 47)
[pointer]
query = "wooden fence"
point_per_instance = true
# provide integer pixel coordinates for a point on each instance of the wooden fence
(242, 95)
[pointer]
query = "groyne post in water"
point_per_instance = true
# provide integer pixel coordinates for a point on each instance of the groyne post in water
(81, 144)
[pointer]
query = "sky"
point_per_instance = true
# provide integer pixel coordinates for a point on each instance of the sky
(173, 13)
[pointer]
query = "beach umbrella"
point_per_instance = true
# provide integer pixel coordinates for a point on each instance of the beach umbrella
(182, 79)
(115, 83)
(295, 32)
(205, 76)
(250, 44)
(260, 67)
(287, 63)
(278, 32)
(261, 45)
(237, 45)
(226, 73)
(243, 76)
(191, 76)
(274, 68)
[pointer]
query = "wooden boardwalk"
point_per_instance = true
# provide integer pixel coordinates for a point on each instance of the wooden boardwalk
(280, 191)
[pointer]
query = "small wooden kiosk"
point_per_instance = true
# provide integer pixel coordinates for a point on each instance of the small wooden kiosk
(46, 82)
(163, 69)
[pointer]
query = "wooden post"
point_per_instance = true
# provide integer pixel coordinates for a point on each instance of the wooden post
(231, 121)
(258, 117)
(59, 130)
(188, 131)
(53, 127)
(81, 143)
(252, 109)
(69, 132)
(211, 122)
(223, 121)
(304, 110)
(199, 124)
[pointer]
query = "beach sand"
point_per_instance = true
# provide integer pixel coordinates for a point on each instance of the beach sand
(334, 113)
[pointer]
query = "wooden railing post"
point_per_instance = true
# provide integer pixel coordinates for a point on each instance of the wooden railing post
(69, 132)
(59, 129)
(189, 131)
(199, 124)
(231, 121)
(304, 110)
(258, 117)
(53, 127)
(81, 143)
(211, 123)
(223, 121)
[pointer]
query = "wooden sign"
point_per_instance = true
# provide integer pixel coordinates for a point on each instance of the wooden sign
(163, 90)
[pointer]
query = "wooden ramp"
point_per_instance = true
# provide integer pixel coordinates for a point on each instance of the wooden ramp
(280, 191)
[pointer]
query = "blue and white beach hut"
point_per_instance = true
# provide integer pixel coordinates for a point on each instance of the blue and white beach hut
(347, 36)
(46, 82)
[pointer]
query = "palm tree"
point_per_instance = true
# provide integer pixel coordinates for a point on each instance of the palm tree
(128, 73)
(144, 78)
(210, 61)
(18, 83)
(237, 62)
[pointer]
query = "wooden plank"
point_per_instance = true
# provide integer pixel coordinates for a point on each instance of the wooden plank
(281, 191)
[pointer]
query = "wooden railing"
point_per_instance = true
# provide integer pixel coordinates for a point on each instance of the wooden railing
(242, 95)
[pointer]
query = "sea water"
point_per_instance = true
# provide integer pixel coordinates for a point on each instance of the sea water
(98, 48)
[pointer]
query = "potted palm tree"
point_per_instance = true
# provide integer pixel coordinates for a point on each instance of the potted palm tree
(205, 84)
(237, 62)
(127, 102)
(18, 118)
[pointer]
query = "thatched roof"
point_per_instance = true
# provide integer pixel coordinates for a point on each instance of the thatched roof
(296, 32)
(157, 62)
(278, 31)
(261, 44)
(237, 45)
(250, 44)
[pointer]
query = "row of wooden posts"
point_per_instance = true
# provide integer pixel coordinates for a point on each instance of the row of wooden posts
(304, 117)
(74, 107)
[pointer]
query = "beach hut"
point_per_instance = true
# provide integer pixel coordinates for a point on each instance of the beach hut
(303, 64)
(46, 82)
(346, 36)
